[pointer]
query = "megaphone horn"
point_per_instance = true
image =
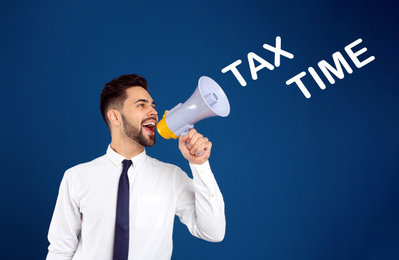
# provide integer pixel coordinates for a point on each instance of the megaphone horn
(208, 100)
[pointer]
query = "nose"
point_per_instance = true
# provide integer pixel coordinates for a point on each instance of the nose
(153, 111)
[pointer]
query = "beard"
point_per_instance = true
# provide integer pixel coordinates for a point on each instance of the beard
(136, 134)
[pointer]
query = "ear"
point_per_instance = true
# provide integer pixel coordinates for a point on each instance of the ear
(114, 117)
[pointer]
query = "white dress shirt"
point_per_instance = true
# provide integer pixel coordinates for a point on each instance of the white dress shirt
(83, 223)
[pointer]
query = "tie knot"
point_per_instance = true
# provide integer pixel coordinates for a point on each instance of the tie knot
(126, 164)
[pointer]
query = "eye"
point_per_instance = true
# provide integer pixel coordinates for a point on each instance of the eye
(140, 105)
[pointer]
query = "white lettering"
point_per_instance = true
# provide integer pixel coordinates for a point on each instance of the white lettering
(354, 56)
(338, 59)
(317, 78)
(254, 70)
(299, 83)
(236, 73)
(278, 51)
(327, 69)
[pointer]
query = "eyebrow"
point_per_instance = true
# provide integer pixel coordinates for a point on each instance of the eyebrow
(145, 101)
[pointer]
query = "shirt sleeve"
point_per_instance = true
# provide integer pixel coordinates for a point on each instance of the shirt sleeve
(65, 225)
(201, 206)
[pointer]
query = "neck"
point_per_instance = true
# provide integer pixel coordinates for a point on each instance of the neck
(127, 148)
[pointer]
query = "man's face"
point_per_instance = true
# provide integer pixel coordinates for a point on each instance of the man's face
(139, 117)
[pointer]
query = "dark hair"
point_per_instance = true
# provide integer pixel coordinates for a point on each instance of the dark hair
(114, 94)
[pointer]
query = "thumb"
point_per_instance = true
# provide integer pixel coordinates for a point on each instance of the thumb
(183, 138)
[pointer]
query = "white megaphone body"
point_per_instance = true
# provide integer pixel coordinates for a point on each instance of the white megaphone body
(208, 100)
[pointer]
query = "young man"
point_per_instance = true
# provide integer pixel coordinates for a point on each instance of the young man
(122, 204)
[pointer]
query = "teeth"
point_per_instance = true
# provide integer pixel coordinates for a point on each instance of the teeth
(149, 124)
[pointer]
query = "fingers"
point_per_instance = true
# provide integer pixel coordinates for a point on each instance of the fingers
(196, 143)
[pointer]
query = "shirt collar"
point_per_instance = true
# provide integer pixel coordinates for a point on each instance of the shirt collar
(117, 159)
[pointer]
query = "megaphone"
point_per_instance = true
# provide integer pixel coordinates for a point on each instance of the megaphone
(208, 100)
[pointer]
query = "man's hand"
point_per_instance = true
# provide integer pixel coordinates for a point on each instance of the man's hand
(196, 143)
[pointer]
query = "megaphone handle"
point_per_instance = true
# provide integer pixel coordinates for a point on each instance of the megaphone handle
(186, 132)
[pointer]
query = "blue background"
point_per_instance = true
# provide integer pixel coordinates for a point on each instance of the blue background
(302, 178)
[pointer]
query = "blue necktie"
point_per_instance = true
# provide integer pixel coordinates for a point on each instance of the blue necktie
(121, 243)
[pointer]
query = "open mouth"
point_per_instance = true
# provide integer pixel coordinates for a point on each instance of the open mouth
(150, 127)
